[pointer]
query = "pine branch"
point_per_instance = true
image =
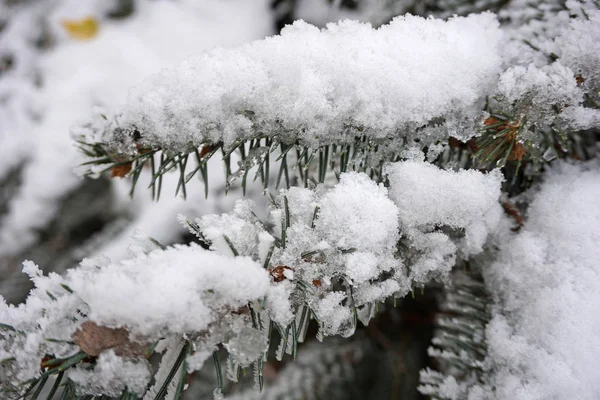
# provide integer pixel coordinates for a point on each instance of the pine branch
(332, 127)
(310, 165)
(459, 344)
(321, 370)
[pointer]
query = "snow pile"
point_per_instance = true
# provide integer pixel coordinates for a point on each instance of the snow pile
(544, 339)
(320, 86)
(177, 291)
(348, 234)
(430, 199)
(358, 214)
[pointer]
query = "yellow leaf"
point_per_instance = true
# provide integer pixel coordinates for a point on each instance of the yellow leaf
(82, 29)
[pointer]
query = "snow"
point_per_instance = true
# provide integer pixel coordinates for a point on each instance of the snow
(278, 303)
(333, 317)
(429, 196)
(579, 47)
(357, 214)
(235, 227)
(361, 266)
(111, 375)
(581, 118)
(544, 338)
(519, 81)
(165, 293)
(429, 199)
(319, 86)
(177, 290)
(550, 87)
(353, 238)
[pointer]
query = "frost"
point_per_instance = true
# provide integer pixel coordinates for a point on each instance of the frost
(247, 345)
(111, 375)
(551, 88)
(278, 303)
(334, 318)
(315, 85)
(579, 46)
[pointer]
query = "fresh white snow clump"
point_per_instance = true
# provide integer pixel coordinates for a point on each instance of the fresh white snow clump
(429, 198)
(544, 338)
(320, 85)
(177, 290)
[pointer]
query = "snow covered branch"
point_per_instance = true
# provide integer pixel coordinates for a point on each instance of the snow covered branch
(328, 255)
(347, 91)
(319, 87)
(353, 98)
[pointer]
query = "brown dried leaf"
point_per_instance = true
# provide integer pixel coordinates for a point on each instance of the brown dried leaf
(93, 339)
(278, 272)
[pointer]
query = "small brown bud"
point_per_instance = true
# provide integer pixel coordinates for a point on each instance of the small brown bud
(120, 170)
